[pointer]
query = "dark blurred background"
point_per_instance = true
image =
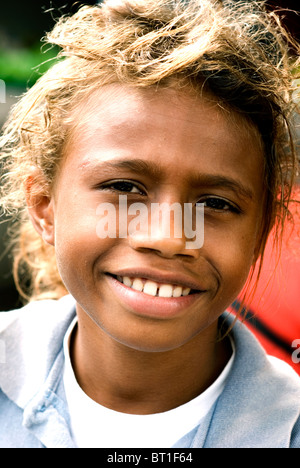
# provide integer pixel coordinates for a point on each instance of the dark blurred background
(22, 25)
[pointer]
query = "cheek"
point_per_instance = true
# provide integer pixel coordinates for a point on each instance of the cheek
(231, 252)
(78, 249)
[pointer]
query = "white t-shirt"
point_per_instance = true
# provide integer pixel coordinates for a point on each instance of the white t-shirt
(95, 426)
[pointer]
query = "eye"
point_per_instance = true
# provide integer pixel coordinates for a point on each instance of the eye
(219, 204)
(123, 186)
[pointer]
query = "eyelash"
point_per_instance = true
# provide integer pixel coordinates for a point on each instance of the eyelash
(113, 186)
(116, 187)
(230, 206)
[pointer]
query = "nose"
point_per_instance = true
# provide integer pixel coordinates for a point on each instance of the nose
(163, 239)
(165, 247)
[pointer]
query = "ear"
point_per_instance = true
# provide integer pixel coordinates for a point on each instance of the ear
(40, 206)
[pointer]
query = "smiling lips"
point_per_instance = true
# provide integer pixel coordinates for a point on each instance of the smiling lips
(157, 299)
(155, 293)
(153, 288)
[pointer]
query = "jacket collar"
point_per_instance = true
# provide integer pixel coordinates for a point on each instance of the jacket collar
(260, 404)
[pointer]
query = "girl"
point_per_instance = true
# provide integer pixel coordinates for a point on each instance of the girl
(125, 341)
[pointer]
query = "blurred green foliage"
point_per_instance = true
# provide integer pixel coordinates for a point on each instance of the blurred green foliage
(22, 67)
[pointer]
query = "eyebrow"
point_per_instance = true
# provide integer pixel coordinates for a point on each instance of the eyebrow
(154, 171)
(212, 180)
(139, 166)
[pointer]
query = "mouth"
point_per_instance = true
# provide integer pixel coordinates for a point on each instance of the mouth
(153, 294)
(155, 288)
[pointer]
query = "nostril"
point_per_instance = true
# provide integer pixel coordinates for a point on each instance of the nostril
(163, 245)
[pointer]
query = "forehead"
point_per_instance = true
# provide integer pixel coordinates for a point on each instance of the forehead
(116, 108)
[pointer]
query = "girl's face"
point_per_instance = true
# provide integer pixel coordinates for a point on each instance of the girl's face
(156, 146)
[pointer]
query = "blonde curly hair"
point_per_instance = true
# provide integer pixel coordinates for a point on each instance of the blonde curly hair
(234, 49)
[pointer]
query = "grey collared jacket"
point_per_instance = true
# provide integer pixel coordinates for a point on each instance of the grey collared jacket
(259, 407)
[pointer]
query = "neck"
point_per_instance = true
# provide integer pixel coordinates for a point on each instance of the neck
(136, 382)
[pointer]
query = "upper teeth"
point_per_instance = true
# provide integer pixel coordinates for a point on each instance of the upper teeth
(154, 289)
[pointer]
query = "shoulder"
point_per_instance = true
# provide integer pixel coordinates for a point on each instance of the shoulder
(36, 322)
(30, 340)
(38, 325)
(261, 399)
(283, 370)
(268, 373)
(46, 310)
